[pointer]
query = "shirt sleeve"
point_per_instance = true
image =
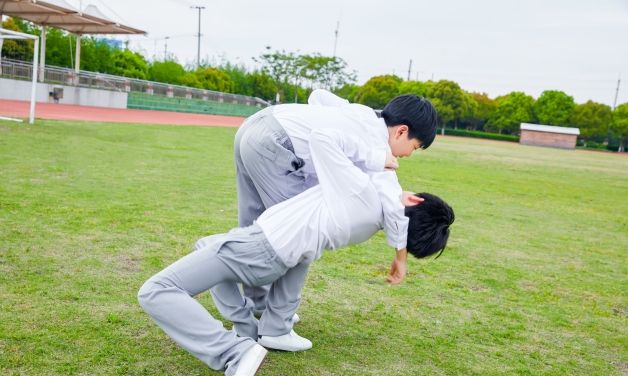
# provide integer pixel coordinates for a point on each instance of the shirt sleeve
(357, 150)
(338, 176)
(395, 220)
(325, 98)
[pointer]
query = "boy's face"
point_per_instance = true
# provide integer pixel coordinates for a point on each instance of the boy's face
(400, 143)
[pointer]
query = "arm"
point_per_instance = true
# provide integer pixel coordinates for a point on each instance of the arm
(373, 158)
(331, 153)
(398, 267)
(395, 220)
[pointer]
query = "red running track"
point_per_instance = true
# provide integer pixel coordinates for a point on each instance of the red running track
(56, 111)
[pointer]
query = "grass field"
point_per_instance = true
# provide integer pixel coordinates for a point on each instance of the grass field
(534, 281)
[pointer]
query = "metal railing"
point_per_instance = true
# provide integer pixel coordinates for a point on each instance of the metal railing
(21, 70)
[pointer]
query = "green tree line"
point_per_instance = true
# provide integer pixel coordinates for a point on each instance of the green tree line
(291, 76)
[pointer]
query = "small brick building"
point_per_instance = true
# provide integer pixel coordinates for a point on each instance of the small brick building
(548, 135)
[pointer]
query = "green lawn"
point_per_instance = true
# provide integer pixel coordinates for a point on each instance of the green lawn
(534, 280)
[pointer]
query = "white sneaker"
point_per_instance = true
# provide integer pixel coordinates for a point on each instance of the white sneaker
(251, 361)
(295, 319)
(287, 342)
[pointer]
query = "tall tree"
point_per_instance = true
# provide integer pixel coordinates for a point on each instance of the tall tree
(262, 86)
(554, 108)
(445, 112)
(324, 71)
(283, 67)
(59, 48)
(168, 71)
(98, 56)
(348, 92)
(449, 99)
(14, 48)
(413, 87)
(593, 119)
(620, 125)
(512, 110)
(129, 64)
(214, 79)
(378, 91)
(480, 112)
(239, 76)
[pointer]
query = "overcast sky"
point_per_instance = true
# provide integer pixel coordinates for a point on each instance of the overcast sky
(492, 46)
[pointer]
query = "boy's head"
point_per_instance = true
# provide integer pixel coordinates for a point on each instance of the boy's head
(411, 122)
(428, 227)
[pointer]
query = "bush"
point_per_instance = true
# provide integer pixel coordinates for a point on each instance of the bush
(480, 134)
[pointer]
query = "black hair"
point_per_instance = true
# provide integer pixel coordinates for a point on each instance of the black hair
(428, 227)
(417, 113)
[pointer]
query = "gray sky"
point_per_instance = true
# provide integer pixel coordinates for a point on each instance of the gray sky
(492, 46)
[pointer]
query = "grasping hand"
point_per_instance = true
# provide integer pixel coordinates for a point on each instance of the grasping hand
(391, 162)
(398, 268)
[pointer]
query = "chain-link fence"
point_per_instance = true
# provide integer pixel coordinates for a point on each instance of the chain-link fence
(56, 75)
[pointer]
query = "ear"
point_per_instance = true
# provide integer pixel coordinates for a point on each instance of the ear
(402, 129)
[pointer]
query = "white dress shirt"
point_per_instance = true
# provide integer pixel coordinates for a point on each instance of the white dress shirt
(364, 140)
(344, 208)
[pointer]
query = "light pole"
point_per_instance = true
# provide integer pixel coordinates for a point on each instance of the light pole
(198, 47)
(166, 49)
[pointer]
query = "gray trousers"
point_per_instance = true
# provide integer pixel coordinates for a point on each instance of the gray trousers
(241, 256)
(268, 172)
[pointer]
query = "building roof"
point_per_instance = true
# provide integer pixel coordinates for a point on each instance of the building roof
(549, 129)
(59, 14)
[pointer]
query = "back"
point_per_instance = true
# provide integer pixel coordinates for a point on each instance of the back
(355, 120)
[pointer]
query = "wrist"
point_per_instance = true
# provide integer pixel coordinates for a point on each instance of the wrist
(402, 254)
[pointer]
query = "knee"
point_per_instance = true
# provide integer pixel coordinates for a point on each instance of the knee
(146, 294)
(198, 245)
(202, 242)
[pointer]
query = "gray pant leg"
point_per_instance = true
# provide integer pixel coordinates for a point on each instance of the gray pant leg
(168, 298)
(228, 298)
(283, 301)
(267, 174)
(230, 302)
(250, 204)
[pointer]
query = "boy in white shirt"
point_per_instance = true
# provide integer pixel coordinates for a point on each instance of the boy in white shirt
(274, 163)
(345, 208)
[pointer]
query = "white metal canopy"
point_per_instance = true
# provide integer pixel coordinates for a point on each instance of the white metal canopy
(60, 14)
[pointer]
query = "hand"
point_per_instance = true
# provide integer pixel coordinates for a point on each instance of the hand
(398, 268)
(410, 199)
(391, 162)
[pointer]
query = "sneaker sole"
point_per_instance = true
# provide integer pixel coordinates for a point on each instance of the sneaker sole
(274, 347)
(260, 356)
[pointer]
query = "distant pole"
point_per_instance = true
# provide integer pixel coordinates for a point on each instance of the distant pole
(616, 92)
(336, 37)
(42, 54)
(77, 63)
(409, 69)
(1, 41)
(166, 48)
(31, 112)
(198, 46)
(621, 144)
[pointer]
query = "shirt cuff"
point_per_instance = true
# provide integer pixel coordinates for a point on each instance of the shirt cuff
(398, 244)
